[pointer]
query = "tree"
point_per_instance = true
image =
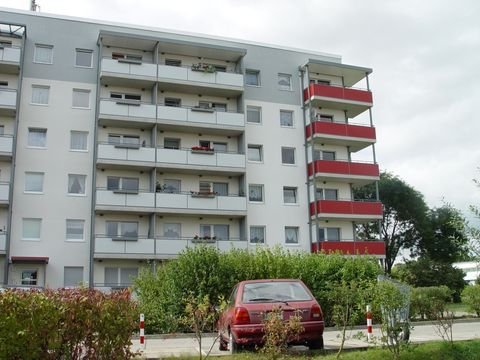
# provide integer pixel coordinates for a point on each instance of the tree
(425, 272)
(444, 238)
(473, 231)
(404, 216)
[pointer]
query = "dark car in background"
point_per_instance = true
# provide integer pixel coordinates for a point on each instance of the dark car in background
(241, 323)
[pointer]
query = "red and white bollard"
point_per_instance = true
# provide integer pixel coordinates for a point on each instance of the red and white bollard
(142, 330)
(369, 323)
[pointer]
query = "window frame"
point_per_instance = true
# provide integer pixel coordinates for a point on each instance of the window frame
(81, 91)
(43, 87)
(295, 195)
(84, 185)
(264, 230)
(119, 233)
(32, 130)
(262, 188)
(69, 239)
(83, 51)
(39, 192)
(43, 46)
(297, 235)
(251, 108)
(284, 148)
(179, 236)
(285, 76)
(86, 140)
(257, 76)
(325, 233)
(292, 118)
(79, 283)
(260, 151)
(39, 222)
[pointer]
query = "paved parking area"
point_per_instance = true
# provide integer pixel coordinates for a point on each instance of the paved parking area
(177, 345)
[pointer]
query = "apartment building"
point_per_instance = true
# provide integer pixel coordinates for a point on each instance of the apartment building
(121, 146)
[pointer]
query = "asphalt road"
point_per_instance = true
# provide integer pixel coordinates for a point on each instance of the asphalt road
(176, 345)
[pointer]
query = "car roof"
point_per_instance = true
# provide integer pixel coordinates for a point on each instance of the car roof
(269, 280)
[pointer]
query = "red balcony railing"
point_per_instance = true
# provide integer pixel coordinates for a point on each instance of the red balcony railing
(339, 129)
(348, 208)
(350, 247)
(339, 93)
(343, 168)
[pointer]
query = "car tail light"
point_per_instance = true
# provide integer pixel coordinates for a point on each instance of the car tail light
(241, 316)
(316, 312)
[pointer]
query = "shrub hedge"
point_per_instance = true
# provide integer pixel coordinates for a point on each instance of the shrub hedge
(66, 324)
(203, 270)
(471, 297)
(429, 302)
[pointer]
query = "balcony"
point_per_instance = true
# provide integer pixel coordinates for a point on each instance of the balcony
(201, 118)
(185, 79)
(6, 146)
(356, 136)
(131, 113)
(126, 154)
(8, 101)
(348, 210)
(359, 173)
(126, 200)
(207, 160)
(3, 243)
(161, 248)
(196, 203)
(375, 248)
(120, 71)
(4, 193)
(10, 59)
(353, 101)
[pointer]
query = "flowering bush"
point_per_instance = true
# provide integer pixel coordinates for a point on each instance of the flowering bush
(202, 148)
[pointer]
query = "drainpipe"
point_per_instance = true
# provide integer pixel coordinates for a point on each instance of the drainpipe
(14, 152)
(94, 171)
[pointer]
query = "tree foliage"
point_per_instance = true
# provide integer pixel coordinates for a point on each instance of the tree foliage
(404, 216)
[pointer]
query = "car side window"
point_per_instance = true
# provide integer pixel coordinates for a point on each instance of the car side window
(233, 295)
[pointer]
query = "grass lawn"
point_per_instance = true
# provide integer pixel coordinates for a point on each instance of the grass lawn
(437, 350)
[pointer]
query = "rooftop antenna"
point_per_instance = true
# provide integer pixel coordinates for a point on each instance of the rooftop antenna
(34, 6)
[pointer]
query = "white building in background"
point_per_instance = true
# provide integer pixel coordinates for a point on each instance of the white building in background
(121, 146)
(471, 270)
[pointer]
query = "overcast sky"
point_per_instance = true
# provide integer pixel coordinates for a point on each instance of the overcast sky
(425, 56)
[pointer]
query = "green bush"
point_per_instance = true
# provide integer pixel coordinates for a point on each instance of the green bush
(428, 302)
(66, 324)
(205, 271)
(471, 297)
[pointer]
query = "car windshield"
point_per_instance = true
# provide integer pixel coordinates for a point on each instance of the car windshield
(275, 291)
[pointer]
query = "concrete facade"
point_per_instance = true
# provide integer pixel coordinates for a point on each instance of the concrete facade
(121, 146)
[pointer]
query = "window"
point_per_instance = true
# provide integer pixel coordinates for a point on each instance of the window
(220, 147)
(81, 98)
(170, 143)
(173, 102)
(324, 155)
(291, 235)
(31, 229)
(289, 195)
(255, 193)
(37, 137)
(2, 130)
(123, 96)
(285, 81)
(123, 230)
(323, 117)
(254, 114)
(43, 54)
(127, 57)
(83, 58)
(78, 140)
(40, 94)
(34, 182)
(122, 183)
(257, 234)
(173, 62)
(327, 194)
(252, 77)
(172, 231)
(75, 230)
(120, 276)
(124, 139)
(255, 153)
(220, 189)
(76, 184)
(29, 277)
(320, 81)
(171, 186)
(288, 155)
(220, 231)
(286, 118)
(329, 234)
(72, 276)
